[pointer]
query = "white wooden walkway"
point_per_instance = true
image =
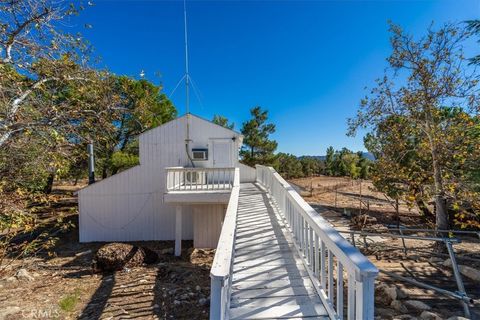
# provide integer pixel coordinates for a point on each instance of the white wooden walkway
(269, 278)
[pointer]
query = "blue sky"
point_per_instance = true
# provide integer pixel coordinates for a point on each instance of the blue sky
(307, 62)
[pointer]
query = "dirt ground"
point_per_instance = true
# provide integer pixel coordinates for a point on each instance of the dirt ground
(415, 259)
(341, 194)
(62, 284)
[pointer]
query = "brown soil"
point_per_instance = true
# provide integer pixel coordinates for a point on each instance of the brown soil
(353, 195)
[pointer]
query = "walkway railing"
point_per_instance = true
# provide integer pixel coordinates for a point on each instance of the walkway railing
(199, 179)
(222, 267)
(325, 253)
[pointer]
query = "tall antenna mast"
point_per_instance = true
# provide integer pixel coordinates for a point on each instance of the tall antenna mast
(187, 76)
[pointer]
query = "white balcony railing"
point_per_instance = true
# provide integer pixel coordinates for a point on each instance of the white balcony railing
(199, 179)
(325, 253)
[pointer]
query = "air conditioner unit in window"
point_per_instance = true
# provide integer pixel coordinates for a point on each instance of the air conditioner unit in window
(195, 177)
(200, 154)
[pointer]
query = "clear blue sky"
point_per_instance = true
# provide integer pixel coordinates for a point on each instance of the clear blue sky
(307, 62)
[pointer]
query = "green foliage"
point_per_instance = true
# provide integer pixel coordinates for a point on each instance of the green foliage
(288, 166)
(311, 166)
(139, 105)
(123, 160)
(347, 163)
(222, 121)
(258, 148)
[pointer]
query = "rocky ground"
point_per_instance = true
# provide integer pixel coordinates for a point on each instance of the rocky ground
(61, 284)
(65, 287)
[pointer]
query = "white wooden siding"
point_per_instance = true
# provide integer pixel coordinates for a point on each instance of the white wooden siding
(129, 206)
(207, 225)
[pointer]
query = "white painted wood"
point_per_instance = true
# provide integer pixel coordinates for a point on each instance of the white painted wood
(222, 153)
(330, 275)
(351, 297)
(269, 279)
(207, 225)
(201, 198)
(220, 273)
(247, 173)
(178, 231)
(313, 311)
(130, 206)
(301, 217)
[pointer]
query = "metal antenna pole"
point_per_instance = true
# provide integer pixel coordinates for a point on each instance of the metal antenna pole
(187, 76)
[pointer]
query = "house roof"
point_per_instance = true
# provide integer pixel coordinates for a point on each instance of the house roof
(198, 117)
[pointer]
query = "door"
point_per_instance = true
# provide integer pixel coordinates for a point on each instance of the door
(222, 158)
(222, 153)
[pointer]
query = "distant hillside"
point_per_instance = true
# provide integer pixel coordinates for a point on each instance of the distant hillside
(367, 155)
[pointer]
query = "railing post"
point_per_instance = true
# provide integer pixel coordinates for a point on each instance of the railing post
(364, 296)
(216, 287)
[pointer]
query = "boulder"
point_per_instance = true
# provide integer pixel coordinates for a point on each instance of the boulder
(470, 272)
(417, 305)
(391, 292)
(397, 305)
(117, 256)
(401, 294)
(381, 297)
(428, 315)
(384, 313)
(457, 318)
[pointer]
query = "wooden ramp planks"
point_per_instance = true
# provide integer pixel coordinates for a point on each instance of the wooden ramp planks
(269, 280)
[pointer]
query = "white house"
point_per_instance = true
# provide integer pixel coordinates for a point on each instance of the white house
(275, 254)
(137, 204)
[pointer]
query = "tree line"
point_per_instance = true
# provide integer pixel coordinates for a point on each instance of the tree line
(259, 148)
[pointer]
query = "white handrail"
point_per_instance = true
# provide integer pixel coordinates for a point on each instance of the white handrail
(321, 247)
(222, 266)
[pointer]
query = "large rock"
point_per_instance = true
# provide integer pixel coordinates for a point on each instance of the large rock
(428, 315)
(397, 305)
(417, 305)
(470, 272)
(381, 297)
(117, 256)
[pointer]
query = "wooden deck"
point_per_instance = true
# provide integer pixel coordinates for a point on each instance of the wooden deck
(269, 278)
